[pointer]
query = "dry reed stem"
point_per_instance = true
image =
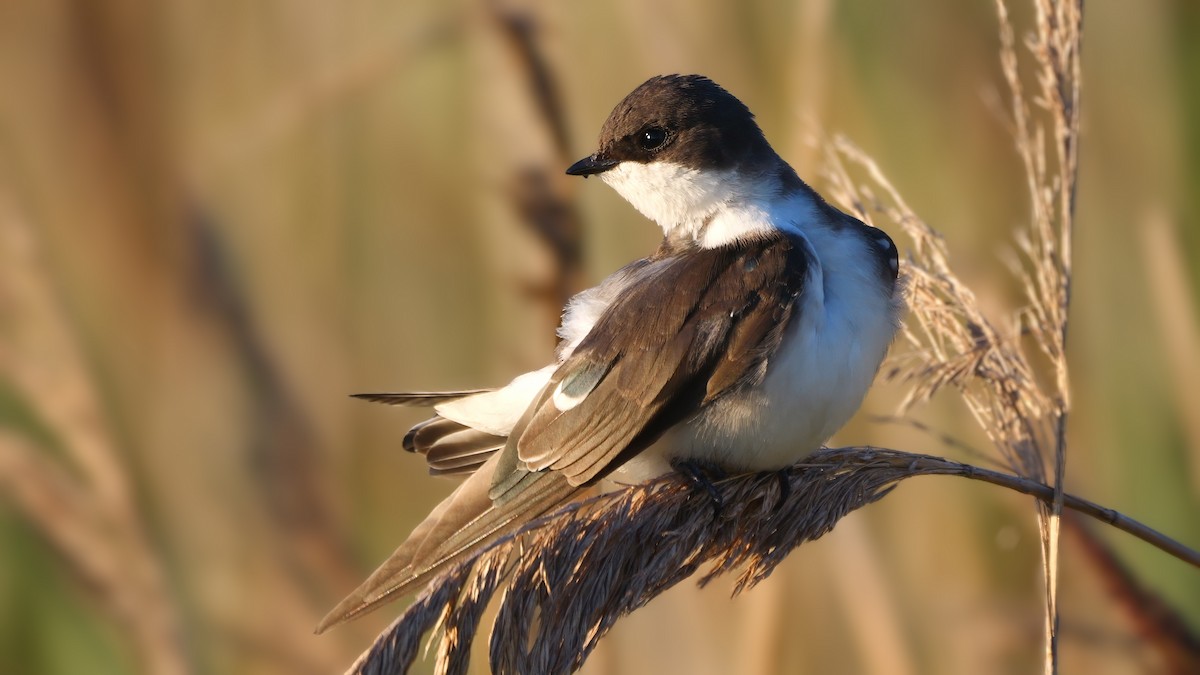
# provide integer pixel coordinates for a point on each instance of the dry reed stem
(565, 579)
(82, 503)
(1055, 45)
(951, 341)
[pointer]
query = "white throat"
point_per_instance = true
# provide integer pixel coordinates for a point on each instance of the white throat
(712, 207)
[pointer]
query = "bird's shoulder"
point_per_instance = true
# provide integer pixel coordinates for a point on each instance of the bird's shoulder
(682, 282)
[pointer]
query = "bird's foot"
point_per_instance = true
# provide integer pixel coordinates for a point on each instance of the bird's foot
(702, 477)
(784, 477)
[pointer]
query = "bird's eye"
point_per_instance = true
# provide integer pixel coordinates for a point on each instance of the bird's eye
(652, 138)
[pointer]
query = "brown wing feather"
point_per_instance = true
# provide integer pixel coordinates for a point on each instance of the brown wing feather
(464, 522)
(756, 335)
(689, 329)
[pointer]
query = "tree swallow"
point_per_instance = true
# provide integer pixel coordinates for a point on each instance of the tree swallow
(744, 342)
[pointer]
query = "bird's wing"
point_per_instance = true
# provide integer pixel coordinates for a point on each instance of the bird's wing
(687, 330)
(690, 329)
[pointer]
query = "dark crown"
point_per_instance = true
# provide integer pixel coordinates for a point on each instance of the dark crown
(684, 119)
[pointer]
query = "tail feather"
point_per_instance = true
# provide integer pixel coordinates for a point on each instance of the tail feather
(451, 448)
(420, 399)
(424, 435)
(464, 448)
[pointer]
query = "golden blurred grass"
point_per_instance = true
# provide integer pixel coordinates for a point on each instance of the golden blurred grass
(245, 211)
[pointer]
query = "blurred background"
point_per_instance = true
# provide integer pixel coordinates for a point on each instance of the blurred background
(219, 218)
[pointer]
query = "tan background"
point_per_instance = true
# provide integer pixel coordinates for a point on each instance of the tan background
(247, 210)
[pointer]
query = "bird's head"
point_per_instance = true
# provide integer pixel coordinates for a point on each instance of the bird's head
(678, 147)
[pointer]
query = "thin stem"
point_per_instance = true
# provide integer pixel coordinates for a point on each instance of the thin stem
(925, 464)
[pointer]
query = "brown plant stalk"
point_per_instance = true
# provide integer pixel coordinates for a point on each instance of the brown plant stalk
(538, 194)
(566, 579)
(951, 342)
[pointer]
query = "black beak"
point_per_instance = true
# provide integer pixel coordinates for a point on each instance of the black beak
(590, 165)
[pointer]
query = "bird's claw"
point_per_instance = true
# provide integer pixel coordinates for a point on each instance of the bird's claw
(701, 478)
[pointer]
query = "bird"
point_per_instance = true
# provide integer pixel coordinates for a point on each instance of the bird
(743, 342)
